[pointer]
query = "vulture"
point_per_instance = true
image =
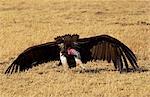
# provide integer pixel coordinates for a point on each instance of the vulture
(70, 51)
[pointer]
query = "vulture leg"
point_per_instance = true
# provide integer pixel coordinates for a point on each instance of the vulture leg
(59, 64)
(63, 60)
(79, 63)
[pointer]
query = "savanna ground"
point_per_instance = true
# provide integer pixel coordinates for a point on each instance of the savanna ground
(24, 23)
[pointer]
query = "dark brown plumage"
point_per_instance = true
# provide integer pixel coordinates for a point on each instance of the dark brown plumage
(107, 48)
(101, 47)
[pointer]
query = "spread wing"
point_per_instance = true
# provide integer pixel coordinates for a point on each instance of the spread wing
(33, 56)
(105, 47)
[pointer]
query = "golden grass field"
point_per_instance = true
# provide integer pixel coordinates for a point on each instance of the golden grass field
(24, 23)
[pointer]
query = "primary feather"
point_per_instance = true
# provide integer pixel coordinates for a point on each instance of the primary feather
(105, 47)
(34, 56)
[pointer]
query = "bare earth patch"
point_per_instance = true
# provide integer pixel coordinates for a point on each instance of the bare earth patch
(25, 23)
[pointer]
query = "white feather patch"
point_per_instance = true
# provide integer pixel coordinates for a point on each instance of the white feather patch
(63, 60)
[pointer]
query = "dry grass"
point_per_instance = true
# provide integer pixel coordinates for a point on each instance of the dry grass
(25, 23)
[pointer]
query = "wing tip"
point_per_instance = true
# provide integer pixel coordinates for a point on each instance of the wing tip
(13, 68)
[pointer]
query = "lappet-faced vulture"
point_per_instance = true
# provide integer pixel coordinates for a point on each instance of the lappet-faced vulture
(71, 50)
